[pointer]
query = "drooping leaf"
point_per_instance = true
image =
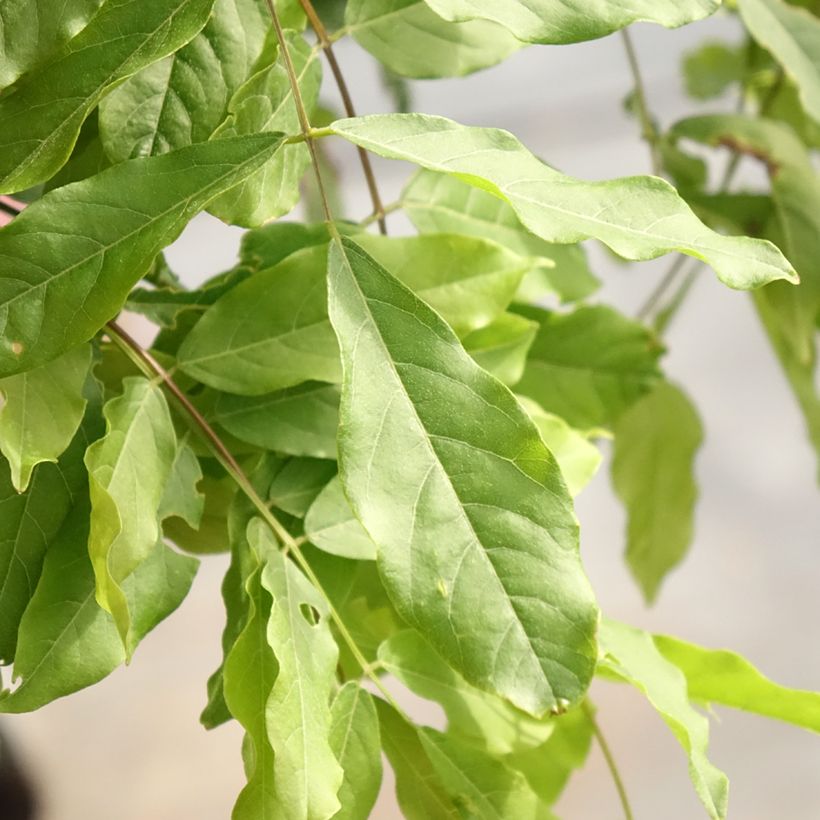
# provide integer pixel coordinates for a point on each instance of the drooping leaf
(276, 326)
(653, 473)
(128, 471)
(356, 744)
(306, 772)
(32, 30)
(477, 540)
(298, 482)
(331, 525)
(630, 655)
(299, 421)
(501, 347)
(712, 68)
(66, 640)
(410, 39)
(182, 98)
(638, 217)
(577, 457)
(588, 366)
(58, 288)
(473, 715)
(439, 203)
(571, 21)
(42, 118)
(726, 678)
(265, 103)
(41, 412)
(793, 36)
(182, 498)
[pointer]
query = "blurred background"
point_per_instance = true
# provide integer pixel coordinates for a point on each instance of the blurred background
(131, 748)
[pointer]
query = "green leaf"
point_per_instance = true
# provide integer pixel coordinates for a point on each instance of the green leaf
(31, 30)
(637, 217)
(577, 457)
(249, 675)
(181, 497)
(298, 421)
(629, 654)
(477, 540)
(501, 347)
(66, 641)
(306, 772)
(571, 21)
(711, 68)
(420, 792)
(128, 471)
(42, 118)
(182, 99)
(355, 740)
(298, 482)
(476, 716)
(58, 289)
(272, 331)
(438, 203)
(41, 412)
(208, 499)
(331, 525)
(792, 35)
(588, 366)
(720, 676)
(409, 38)
(653, 473)
(265, 103)
(269, 244)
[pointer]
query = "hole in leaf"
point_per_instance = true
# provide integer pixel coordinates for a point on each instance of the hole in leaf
(309, 613)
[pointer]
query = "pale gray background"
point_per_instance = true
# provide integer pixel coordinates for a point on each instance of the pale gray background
(131, 748)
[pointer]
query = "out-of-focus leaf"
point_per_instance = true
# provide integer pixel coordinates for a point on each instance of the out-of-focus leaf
(711, 68)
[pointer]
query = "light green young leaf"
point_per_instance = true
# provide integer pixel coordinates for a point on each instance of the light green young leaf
(571, 21)
(249, 675)
(42, 118)
(420, 792)
(112, 226)
(711, 68)
(476, 716)
(438, 203)
(409, 38)
(588, 366)
(355, 740)
(549, 766)
(629, 654)
(306, 773)
(501, 347)
(31, 30)
(331, 525)
(720, 676)
(638, 217)
(183, 98)
(793, 36)
(66, 641)
(182, 498)
(298, 421)
(653, 473)
(41, 412)
(128, 470)
(272, 331)
(298, 482)
(265, 103)
(477, 539)
(577, 457)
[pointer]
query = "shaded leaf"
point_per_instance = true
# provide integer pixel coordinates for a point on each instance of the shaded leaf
(355, 740)
(298, 482)
(58, 289)
(653, 473)
(42, 118)
(331, 525)
(501, 347)
(41, 412)
(475, 532)
(631, 655)
(181, 497)
(637, 217)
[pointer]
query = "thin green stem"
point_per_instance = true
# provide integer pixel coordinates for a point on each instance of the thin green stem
(649, 131)
(610, 760)
(350, 111)
(660, 289)
(153, 369)
(663, 318)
